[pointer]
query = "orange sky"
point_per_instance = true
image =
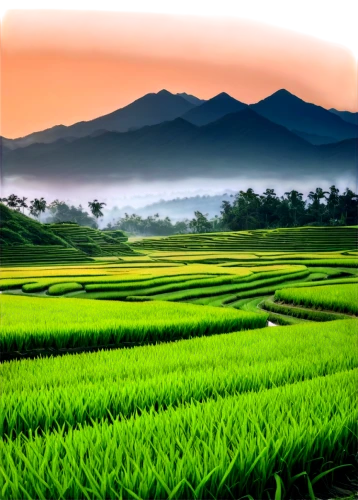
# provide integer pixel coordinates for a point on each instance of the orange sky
(63, 67)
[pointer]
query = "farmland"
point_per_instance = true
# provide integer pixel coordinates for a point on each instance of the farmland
(148, 370)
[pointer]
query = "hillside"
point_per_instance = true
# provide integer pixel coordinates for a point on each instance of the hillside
(27, 242)
(92, 241)
(18, 229)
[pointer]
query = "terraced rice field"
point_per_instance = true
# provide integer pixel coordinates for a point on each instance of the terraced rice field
(315, 239)
(170, 385)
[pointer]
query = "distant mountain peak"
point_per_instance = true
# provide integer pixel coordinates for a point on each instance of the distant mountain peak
(164, 92)
(294, 113)
(223, 95)
(282, 94)
(214, 109)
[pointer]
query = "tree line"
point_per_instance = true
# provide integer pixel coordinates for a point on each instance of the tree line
(59, 210)
(248, 210)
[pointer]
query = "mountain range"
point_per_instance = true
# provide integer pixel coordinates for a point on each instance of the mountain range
(172, 136)
(177, 209)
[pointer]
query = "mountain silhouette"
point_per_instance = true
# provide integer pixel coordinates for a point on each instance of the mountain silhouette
(147, 110)
(213, 109)
(347, 116)
(308, 121)
(191, 98)
(238, 144)
(286, 109)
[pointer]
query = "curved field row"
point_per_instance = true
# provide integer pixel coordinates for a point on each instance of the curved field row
(77, 390)
(30, 323)
(269, 305)
(234, 445)
(342, 298)
(112, 282)
(189, 289)
(302, 239)
(233, 287)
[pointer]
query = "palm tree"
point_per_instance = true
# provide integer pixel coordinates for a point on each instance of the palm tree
(316, 197)
(96, 208)
(11, 201)
(294, 201)
(37, 206)
(333, 202)
(22, 203)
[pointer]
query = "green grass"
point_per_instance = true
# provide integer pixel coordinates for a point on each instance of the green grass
(341, 298)
(300, 312)
(107, 283)
(224, 448)
(74, 390)
(269, 290)
(152, 287)
(224, 289)
(62, 288)
(219, 407)
(30, 323)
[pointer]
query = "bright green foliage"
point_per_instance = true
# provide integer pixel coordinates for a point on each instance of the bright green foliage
(249, 413)
(223, 289)
(300, 312)
(266, 290)
(219, 449)
(163, 284)
(107, 283)
(29, 322)
(62, 288)
(74, 390)
(16, 228)
(342, 298)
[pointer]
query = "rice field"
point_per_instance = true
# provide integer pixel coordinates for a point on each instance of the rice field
(33, 323)
(156, 376)
(94, 386)
(231, 446)
(341, 298)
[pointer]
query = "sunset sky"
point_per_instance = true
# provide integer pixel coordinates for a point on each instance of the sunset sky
(60, 67)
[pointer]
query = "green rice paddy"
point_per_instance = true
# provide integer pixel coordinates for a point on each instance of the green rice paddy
(169, 384)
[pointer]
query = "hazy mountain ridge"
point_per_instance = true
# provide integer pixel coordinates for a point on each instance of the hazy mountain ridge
(309, 121)
(238, 143)
(150, 109)
(176, 209)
